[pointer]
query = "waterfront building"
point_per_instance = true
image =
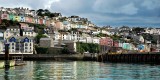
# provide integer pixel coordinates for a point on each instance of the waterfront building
(70, 45)
(116, 43)
(46, 42)
(1, 41)
(20, 44)
(107, 41)
(127, 46)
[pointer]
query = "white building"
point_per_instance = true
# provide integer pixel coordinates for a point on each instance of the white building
(11, 31)
(153, 31)
(96, 40)
(20, 45)
(29, 33)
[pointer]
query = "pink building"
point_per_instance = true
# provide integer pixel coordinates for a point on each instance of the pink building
(58, 25)
(40, 21)
(5, 16)
(116, 43)
(107, 41)
(24, 26)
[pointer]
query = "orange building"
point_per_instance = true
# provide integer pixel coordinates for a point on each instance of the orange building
(59, 25)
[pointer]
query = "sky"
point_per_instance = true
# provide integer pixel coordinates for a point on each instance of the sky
(142, 13)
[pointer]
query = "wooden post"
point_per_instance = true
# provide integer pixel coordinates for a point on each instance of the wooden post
(7, 55)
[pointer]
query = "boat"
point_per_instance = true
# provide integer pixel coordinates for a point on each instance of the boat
(18, 60)
(1, 64)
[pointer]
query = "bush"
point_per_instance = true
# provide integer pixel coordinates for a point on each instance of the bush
(91, 47)
(41, 50)
(65, 51)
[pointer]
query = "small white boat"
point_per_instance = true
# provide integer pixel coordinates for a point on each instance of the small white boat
(1, 64)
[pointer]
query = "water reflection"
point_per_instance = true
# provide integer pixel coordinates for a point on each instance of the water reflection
(79, 70)
(6, 74)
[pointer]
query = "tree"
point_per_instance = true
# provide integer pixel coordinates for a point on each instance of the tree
(138, 30)
(47, 12)
(101, 35)
(38, 37)
(40, 12)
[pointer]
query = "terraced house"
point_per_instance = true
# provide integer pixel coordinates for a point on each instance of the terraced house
(20, 45)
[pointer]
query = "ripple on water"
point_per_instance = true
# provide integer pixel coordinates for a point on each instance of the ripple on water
(79, 70)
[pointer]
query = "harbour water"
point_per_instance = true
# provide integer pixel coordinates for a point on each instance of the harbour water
(80, 70)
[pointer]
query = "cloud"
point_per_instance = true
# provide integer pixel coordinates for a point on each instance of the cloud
(151, 4)
(33, 4)
(115, 7)
(72, 7)
(101, 12)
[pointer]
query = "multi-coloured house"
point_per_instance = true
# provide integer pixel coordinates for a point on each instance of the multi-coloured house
(22, 18)
(11, 16)
(5, 16)
(16, 18)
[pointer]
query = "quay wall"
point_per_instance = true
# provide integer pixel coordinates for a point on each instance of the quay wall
(130, 58)
(63, 57)
(125, 58)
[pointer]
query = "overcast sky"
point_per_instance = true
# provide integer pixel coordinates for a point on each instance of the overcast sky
(101, 12)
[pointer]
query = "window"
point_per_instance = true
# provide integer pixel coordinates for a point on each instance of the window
(26, 47)
(26, 44)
